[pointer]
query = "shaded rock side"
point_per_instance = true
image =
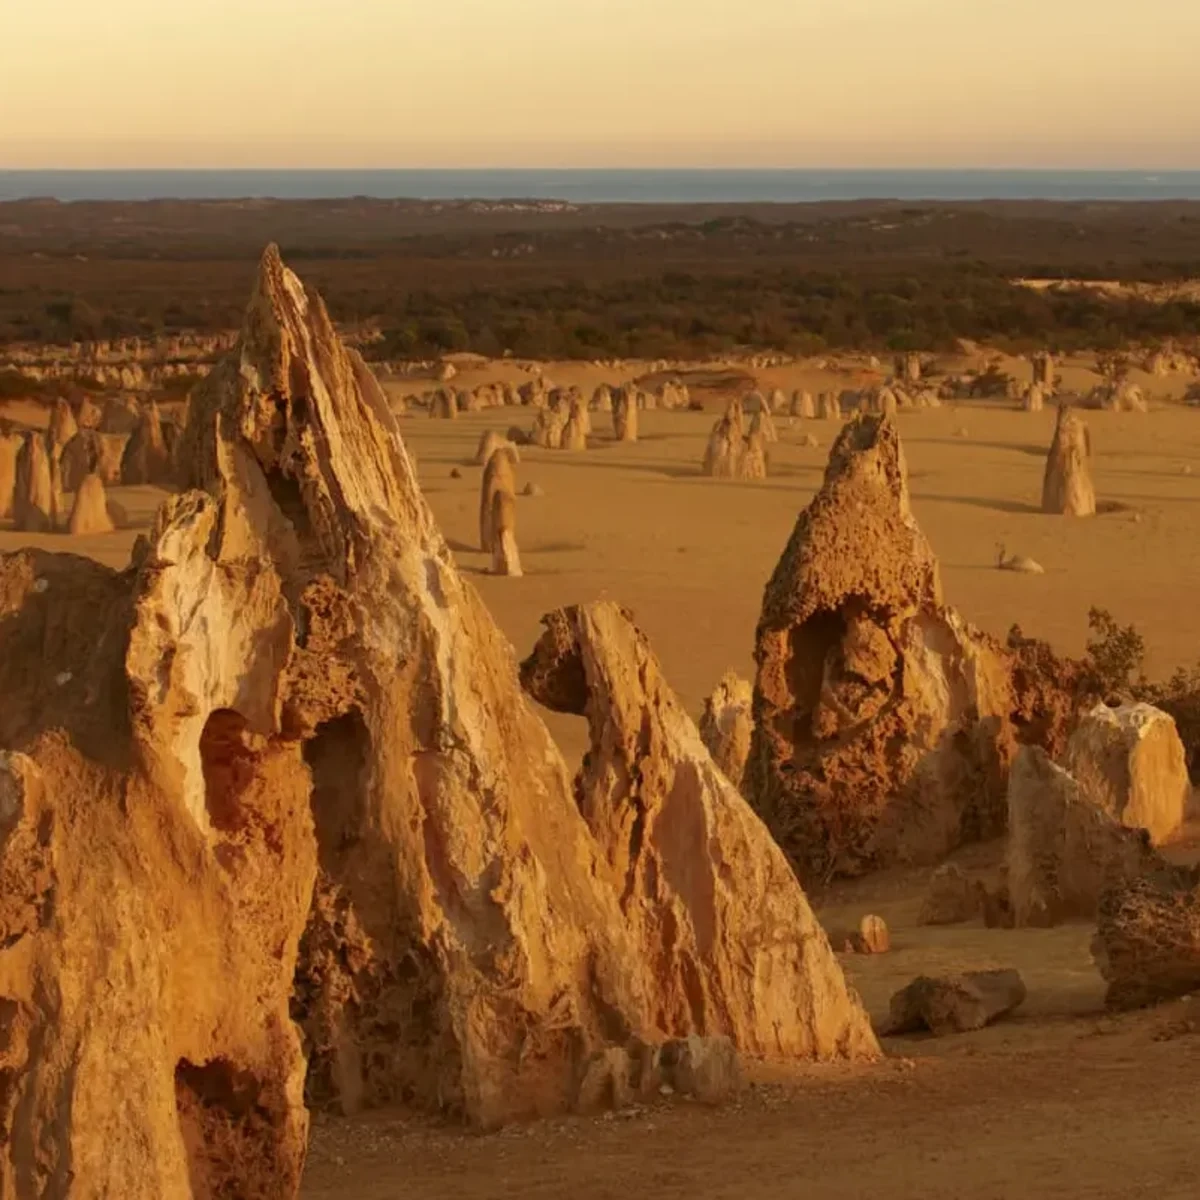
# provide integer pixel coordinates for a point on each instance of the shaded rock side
(1147, 943)
(147, 457)
(10, 447)
(465, 952)
(37, 501)
(1064, 850)
(881, 727)
(1131, 762)
(709, 898)
(727, 724)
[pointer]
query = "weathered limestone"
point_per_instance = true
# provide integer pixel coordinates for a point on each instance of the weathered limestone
(708, 897)
(10, 448)
(1067, 484)
(1063, 848)
(464, 949)
(89, 513)
(727, 724)
(731, 453)
(575, 431)
(36, 501)
(881, 719)
(1034, 398)
(951, 899)
(548, 427)
(121, 415)
(506, 559)
(147, 457)
(764, 424)
(1147, 943)
(499, 475)
(62, 427)
(491, 441)
(624, 416)
(88, 453)
(908, 368)
(802, 405)
(828, 407)
(602, 399)
(90, 414)
(1130, 761)
(777, 403)
(1043, 372)
(954, 1003)
(444, 404)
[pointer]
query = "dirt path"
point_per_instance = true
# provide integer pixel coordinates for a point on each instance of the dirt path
(1097, 1108)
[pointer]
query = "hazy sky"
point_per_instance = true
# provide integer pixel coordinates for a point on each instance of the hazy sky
(599, 83)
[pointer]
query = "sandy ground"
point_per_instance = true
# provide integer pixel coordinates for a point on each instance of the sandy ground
(1061, 1101)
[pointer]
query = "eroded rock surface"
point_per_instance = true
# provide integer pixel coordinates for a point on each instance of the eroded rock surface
(881, 719)
(1067, 488)
(708, 897)
(1131, 762)
(727, 723)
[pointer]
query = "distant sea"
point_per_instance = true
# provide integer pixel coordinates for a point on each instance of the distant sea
(604, 186)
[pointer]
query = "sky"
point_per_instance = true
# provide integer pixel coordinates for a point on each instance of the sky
(593, 83)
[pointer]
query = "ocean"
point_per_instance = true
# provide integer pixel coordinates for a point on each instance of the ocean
(604, 186)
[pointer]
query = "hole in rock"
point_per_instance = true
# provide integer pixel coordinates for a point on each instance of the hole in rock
(232, 1140)
(229, 765)
(336, 756)
(808, 648)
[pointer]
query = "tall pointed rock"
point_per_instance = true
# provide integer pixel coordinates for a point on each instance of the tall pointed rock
(881, 719)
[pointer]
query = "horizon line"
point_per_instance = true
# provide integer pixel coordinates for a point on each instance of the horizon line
(728, 169)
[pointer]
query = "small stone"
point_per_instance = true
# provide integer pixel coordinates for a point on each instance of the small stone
(63, 677)
(873, 935)
(533, 489)
(455, 473)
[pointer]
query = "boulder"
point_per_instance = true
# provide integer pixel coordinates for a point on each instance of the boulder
(1147, 943)
(954, 1003)
(693, 856)
(951, 899)
(727, 724)
(1064, 849)
(706, 1069)
(89, 513)
(802, 405)
(1067, 483)
(829, 408)
(1131, 763)
(444, 404)
(548, 428)
(881, 718)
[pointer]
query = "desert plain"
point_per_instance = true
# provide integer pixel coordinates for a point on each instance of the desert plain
(1062, 1098)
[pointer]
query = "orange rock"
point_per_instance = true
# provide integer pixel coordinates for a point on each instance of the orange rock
(882, 729)
(707, 895)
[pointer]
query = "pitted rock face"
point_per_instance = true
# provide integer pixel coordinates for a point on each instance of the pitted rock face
(707, 895)
(881, 720)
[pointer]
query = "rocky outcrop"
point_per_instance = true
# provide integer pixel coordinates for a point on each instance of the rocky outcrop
(731, 453)
(465, 949)
(624, 416)
(1131, 763)
(62, 427)
(1064, 850)
(147, 457)
(727, 723)
(1147, 943)
(1067, 483)
(506, 559)
(499, 475)
(10, 448)
(708, 897)
(881, 718)
(89, 513)
(92, 453)
(36, 501)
